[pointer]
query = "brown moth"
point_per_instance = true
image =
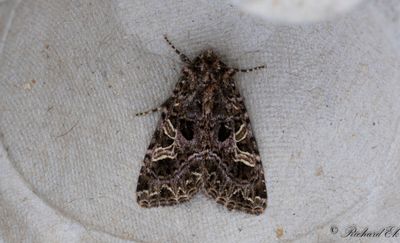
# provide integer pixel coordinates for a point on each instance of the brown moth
(203, 142)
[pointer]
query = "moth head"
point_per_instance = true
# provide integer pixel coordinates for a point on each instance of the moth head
(208, 62)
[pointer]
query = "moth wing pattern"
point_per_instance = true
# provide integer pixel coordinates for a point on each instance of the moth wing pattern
(204, 141)
(167, 176)
(235, 176)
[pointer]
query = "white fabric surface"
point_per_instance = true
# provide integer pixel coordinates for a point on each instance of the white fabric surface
(73, 74)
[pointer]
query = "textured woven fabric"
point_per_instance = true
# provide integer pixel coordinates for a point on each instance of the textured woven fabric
(73, 74)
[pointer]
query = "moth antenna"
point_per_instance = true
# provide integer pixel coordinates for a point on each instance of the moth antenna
(148, 112)
(183, 57)
(247, 70)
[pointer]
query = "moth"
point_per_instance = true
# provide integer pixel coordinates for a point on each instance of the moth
(203, 142)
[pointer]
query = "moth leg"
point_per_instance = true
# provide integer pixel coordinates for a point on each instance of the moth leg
(249, 69)
(183, 57)
(148, 111)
